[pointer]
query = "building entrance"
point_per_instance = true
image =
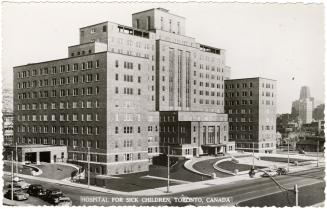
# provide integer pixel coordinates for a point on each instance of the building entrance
(45, 157)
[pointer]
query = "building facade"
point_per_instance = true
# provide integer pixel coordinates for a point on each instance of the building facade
(105, 101)
(251, 107)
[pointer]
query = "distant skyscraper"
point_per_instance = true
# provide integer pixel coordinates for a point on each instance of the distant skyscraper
(303, 107)
(305, 92)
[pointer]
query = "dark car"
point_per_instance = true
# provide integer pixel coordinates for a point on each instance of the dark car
(18, 194)
(55, 196)
(282, 171)
(36, 190)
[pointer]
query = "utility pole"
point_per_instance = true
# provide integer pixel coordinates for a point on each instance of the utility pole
(88, 167)
(168, 170)
(288, 155)
(12, 175)
(318, 154)
(296, 191)
(253, 155)
(16, 159)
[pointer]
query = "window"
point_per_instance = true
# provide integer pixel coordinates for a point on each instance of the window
(116, 130)
(116, 63)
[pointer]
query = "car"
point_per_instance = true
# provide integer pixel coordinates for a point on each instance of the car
(65, 201)
(269, 173)
(19, 183)
(36, 190)
(55, 196)
(282, 171)
(302, 152)
(18, 194)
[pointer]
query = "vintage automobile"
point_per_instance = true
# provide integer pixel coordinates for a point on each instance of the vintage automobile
(18, 194)
(36, 190)
(282, 171)
(56, 197)
(64, 201)
(269, 173)
(19, 183)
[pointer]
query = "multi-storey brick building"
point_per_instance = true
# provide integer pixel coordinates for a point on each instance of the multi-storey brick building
(251, 107)
(111, 94)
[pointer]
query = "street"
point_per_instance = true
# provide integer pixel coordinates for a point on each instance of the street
(239, 191)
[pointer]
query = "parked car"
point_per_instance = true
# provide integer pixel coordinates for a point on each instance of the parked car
(36, 190)
(302, 152)
(55, 196)
(269, 173)
(64, 201)
(19, 183)
(282, 171)
(18, 194)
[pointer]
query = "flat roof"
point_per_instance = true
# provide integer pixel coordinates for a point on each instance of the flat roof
(250, 78)
(35, 145)
(36, 63)
(159, 9)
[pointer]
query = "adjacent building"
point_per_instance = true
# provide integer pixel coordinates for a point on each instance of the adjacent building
(7, 128)
(251, 107)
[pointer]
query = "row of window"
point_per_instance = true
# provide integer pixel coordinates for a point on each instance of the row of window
(240, 111)
(88, 130)
(247, 85)
(61, 81)
(62, 69)
(62, 105)
(68, 142)
(62, 117)
(62, 93)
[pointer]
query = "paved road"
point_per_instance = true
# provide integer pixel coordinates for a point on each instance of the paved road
(239, 191)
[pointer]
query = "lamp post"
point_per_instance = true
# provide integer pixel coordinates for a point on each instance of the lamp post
(16, 158)
(296, 191)
(88, 167)
(253, 155)
(318, 154)
(168, 169)
(12, 175)
(288, 155)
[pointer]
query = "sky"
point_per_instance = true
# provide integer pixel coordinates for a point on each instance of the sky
(277, 41)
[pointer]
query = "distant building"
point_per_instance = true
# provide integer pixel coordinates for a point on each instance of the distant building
(8, 128)
(251, 107)
(319, 112)
(303, 107)
(285, 124)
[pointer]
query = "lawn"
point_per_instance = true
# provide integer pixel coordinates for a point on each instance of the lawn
(21, 169)
(136, 182)
(206, 167)
(128, 182)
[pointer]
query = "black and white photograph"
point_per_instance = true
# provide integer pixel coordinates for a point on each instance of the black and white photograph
(173, 104)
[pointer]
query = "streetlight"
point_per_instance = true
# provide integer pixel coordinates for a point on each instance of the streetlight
(168, 170)
(253, 155)
(88, 167)
(288, 155)
(12, 175)
(16, 158)
(318, 153)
